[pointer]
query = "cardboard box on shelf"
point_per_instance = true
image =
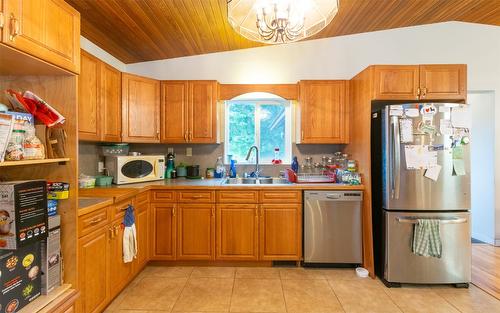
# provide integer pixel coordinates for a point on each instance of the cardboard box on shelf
(20, 282)
(23, 213)
(51, 261)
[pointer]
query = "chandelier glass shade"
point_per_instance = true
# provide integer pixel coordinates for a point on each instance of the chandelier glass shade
(280, 21)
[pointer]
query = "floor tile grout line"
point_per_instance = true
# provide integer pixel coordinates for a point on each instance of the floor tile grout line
(335, 294)
(392, 299)
(182, 290)
(450, 303)
(232, 292)
(283, 294)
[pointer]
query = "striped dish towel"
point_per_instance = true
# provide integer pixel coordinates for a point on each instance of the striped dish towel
(426, 238)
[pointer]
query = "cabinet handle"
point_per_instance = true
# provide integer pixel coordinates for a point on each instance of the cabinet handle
(424, 92)
(110, 232)
(213, 212)
(418, 93)
(256, 212)
(95, 221)
(186, 136)
(14, 27)
(302, 135)
(2, 20)
(196, 197)
(157, 135)
(173, 211)
(116, 230)
(190, 136)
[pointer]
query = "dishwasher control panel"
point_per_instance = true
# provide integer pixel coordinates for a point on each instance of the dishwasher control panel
(334, 195)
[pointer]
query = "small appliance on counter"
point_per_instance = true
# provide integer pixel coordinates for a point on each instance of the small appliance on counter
(193, 172)
(135, 169)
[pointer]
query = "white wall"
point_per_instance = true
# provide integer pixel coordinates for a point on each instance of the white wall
(476, 45)
(482, 106)
(96, 51)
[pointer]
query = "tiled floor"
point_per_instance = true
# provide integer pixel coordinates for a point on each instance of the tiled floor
(227, 289)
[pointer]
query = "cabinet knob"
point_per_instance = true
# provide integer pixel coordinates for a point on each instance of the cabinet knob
(14, 27)
(2, 20)
(424, 92)
(173, 211)
(190, 136)
(185, 136)
(418, 93)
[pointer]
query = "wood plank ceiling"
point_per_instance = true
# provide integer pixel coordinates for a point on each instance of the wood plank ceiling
(146, 30)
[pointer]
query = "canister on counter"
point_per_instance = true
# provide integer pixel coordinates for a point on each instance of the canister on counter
(210, 172)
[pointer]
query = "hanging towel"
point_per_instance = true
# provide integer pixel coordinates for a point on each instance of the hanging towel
(129, 236)
(426, 238)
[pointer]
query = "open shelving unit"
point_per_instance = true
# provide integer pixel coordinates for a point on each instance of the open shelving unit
(60, 161)
(59, 88)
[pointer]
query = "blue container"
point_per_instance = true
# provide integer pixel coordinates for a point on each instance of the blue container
(232, 169)
(52, 207)
(295, 165)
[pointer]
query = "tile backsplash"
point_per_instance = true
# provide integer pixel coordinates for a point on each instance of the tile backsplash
(204, 155)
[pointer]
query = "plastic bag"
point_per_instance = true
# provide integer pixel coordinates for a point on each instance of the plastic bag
(33, 147)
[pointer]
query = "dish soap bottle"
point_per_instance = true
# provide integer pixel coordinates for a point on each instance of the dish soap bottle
(220, 170)
(232, 169)
(295, 165)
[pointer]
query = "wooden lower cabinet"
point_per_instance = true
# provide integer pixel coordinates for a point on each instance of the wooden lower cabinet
(237, 232)
(281, 231)
(93, 251)
(119, 273)
(196, 231)
(142, 228)
(163, 231)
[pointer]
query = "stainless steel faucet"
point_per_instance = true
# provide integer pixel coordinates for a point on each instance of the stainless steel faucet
(256, 159)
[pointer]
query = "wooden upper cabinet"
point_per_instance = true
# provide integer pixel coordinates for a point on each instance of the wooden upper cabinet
(99, 101)
(202, 111)
(189, 111)
(443, 82)
(196, 232)
(111, 102)
(396, 82)
(420, 82)
(140, 109)
(324, 111)
(47, 29)
(174, 111)
(89, 89)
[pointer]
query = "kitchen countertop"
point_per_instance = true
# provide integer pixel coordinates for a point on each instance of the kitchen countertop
(116, 193)
(88, 204)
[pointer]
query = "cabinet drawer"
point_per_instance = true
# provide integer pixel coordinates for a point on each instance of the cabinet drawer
(142, 197)
(118, 209)
(163, 196)
(196, 196)
(92, 221)
(280, 196)
(238, 196)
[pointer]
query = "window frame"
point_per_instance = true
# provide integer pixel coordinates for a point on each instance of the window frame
(287, 155)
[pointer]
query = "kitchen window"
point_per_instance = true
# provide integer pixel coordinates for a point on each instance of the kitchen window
(265, 123)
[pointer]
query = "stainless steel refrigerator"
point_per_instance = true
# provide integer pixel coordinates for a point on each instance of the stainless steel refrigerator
(420, 170)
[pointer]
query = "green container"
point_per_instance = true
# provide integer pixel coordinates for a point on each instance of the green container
(103, 180)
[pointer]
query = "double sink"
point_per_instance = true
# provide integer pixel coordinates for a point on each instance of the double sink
(256, 181)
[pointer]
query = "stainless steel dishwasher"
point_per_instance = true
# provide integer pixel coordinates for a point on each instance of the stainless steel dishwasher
(332, 227)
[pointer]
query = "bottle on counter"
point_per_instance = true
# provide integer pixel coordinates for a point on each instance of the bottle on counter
(170, 165)
(220, 169)
(295, 165)
(232, 169)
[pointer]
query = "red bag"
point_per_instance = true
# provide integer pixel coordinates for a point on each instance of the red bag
(35, 105)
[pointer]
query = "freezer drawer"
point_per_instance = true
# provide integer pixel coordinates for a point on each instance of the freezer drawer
(402, 266)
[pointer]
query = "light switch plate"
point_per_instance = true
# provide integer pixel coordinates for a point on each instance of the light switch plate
(189, 151)
(100, 166)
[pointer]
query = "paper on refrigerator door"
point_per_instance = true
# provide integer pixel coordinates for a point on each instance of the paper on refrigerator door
(413, 112)
(433, 172)
(458, 167)
(445, 127)
(460, 117)
(419, 157)
(406, 130)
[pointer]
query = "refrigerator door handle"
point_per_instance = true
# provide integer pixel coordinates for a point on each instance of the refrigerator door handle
(396, 158)
(414, 220)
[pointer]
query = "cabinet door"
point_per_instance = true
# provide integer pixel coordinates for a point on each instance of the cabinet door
(47, 29)
(174, 111)
(164, 231)
(396, 82)
(237, 231)
(89, 115)
(141, 225)
(202, 111)
(443, 82)
(119, 272)
(280, 231)
(323, 112)
(196, 232)
(111, 103)
(140, 109)
(93, 257)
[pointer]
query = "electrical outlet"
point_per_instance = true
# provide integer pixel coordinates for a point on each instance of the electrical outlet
(100, 166)
(189, 151)
(170, 150)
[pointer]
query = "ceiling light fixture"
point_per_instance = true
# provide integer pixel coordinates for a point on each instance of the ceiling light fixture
(280, 21)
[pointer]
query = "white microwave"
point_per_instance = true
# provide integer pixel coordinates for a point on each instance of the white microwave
(129, 169)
